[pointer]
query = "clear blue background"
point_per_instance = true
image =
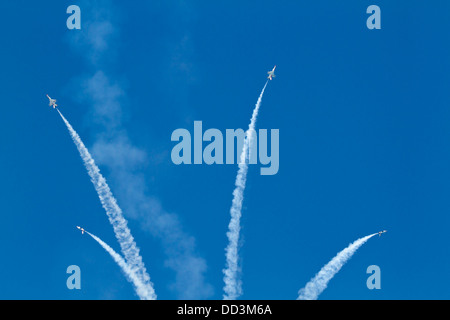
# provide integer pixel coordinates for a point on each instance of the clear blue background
(364, 144)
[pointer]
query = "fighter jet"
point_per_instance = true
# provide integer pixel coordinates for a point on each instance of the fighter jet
(52, 102)
(271, 73)
(82, 230)
(379, 233)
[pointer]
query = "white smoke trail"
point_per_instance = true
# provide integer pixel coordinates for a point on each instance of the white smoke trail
(319, 283)
(114, 213)
(233, 284)
(141, 289)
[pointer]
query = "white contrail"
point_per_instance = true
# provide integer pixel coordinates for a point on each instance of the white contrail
(141, 289)
(114, 213)
(233, 285)
(319, 283)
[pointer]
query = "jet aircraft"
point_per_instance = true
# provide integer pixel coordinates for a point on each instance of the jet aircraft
(52, 102)
(82, 230)
(271, 73)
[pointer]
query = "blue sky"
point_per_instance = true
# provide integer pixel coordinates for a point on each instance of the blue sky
(363, 118)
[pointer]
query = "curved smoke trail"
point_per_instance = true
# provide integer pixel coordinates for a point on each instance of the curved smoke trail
(319, 283)
(233, 284)
(141, 289)
(114, 213)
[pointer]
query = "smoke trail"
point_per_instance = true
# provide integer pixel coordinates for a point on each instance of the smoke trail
(114, 213)
(233, 284)
(141, 289)
(319, 283)
(97, 43)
